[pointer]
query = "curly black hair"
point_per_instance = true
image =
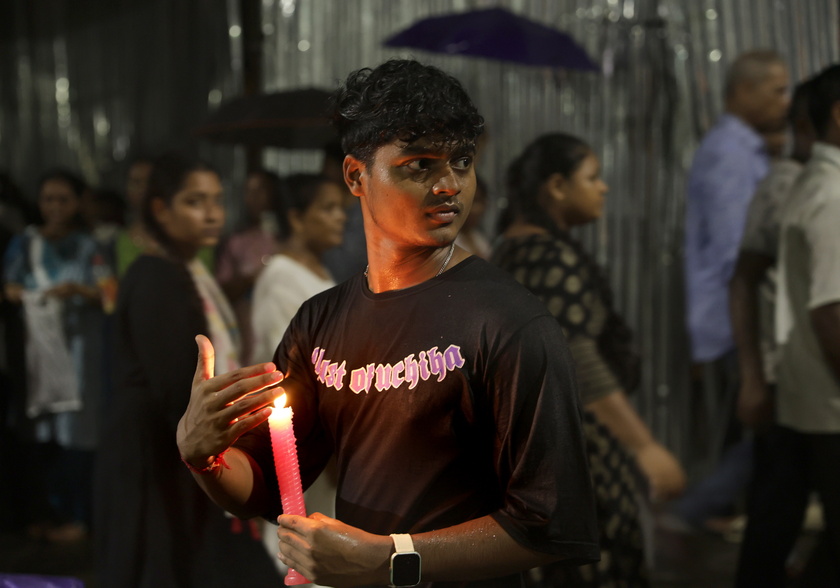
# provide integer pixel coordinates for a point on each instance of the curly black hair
(405, 100)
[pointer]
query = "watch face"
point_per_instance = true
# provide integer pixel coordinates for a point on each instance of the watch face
(405, 569)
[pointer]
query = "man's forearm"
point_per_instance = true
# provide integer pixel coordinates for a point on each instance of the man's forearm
(615, 412)
(330, 552)
(743, 306)
(236, 487)
(474, 550)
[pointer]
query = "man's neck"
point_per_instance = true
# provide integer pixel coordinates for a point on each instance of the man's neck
(398, 270)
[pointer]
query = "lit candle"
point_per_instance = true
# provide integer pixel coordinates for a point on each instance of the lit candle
(288, 472)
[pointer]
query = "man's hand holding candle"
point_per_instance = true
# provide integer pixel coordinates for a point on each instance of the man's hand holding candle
(331, 552)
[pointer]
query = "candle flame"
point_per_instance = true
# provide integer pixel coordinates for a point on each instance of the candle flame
(280, 401)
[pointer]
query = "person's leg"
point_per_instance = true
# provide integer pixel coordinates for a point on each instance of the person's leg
(730, 454)
(716, 494)
(825, 474)
(777, 498)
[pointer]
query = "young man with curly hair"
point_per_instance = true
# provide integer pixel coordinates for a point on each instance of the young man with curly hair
(444, 389)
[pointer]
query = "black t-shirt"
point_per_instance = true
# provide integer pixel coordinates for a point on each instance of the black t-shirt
(443, 402)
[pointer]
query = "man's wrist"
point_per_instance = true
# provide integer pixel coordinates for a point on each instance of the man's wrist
(209, 464)
(405, 569)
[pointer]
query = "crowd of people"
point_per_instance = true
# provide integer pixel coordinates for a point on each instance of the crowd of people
(463, 397)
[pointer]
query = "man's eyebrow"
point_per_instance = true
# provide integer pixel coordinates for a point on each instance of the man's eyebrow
(437, 150)
(418, 149)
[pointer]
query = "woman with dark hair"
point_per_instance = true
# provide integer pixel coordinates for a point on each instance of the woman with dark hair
(50, 270)
(311, 216)
(554, 185)
(155, 527)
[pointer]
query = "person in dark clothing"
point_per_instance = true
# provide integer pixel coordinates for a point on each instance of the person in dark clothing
(154, 527)
(555, 185)
(443, 388)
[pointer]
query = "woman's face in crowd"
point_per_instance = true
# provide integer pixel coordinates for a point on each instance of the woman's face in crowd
(196, 215)
(584, 192)
(58, 203)
(322, 224)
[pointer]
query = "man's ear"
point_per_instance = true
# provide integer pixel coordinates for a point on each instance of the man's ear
(353, 171)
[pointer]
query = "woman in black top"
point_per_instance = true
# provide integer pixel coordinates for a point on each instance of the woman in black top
(555, 184)
(155, 527)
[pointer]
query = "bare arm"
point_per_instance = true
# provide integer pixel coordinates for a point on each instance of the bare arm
(219, 413)
(826, 323)
(664, 473)
(329, 552)
(755, 406)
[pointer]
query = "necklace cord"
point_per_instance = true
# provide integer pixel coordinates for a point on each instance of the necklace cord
(443, 267)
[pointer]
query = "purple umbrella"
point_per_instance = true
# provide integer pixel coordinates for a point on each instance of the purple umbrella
(495, 33)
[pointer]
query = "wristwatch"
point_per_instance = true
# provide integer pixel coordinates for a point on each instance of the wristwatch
(405, 563)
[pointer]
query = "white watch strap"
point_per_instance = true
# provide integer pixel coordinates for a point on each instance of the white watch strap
(402, 542)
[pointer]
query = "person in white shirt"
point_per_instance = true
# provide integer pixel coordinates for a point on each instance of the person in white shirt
(312, 217)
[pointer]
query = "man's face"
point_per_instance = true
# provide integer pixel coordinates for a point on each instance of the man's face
(769, 98)
(415, 194)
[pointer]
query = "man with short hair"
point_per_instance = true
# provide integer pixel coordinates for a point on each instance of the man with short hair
(442, 387)
(807, 447)
(728, 165)
(752, 300)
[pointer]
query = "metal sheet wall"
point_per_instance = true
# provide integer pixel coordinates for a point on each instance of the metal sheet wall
(88, 83)
(663, 66)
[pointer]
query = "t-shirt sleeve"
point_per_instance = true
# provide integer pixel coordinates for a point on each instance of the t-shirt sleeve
(540, 450)
(821, 231)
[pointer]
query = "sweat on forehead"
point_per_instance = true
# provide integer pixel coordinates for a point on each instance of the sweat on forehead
(406, 101)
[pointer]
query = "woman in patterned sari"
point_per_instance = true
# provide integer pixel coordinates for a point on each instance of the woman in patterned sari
(555, 185)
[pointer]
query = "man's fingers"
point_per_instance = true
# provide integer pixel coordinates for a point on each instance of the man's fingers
(206, 365)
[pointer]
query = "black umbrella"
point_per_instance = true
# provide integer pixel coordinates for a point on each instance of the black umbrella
(495, 33)
(293, 119)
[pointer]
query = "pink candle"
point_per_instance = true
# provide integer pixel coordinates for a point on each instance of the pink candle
(288, 472)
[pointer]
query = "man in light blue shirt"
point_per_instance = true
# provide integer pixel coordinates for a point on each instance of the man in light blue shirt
(727, 168)
(728, 165)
